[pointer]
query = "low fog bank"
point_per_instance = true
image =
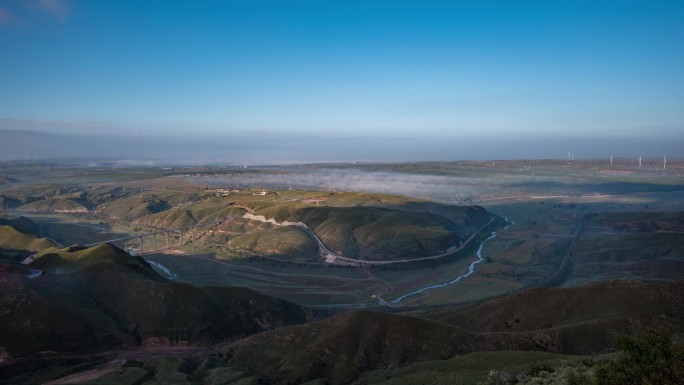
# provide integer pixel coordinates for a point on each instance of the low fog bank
(466, 188)
(446, 189)
(262, 148)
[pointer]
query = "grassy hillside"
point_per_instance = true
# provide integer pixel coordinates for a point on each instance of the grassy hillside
(17, 244)
(203, 211)
(372, 226)
(637, 245)
(472, 368)
(457, 345)
(45, 316)
(566, 321)
(7, 202)
(343, 347)
(378, 233)
(284, 241)
(101, 297)
(133, 207)
(59, 204)
(12, 201)
(22, 224)
(466, 369)
(356, 225)
(580, 318)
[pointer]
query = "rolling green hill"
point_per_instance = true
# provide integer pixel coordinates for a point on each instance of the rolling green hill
(22, 224)
(372, 226)
(541, 308)
(13, 201)
(97, 298)
(458, 345)
(378, 233)
(9, 202)
(565, 321)
(16, 244)
(363, 226)
(133, 207)
(341, 348)
(284, 241)
(579, 318)
(60, 204)
(355, 225)
(203, 211)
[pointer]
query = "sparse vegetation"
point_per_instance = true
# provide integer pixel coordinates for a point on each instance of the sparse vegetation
(647, 355)
(650, 355)
(97, 299)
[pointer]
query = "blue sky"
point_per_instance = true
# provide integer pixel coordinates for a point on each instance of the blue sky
(463, 71)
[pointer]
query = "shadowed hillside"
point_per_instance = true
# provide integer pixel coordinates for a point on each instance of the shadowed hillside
(541, 308)
(90, 299)
(566, 321)
(372, 347)
(68, 203)
(22, 224)
(133, 207)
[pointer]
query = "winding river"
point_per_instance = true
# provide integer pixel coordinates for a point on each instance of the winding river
(471, 270)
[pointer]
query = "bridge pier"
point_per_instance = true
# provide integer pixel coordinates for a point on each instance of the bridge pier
(129, 242)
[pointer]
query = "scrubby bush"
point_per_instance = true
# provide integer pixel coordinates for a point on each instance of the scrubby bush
(648, 356)
(651, 357)
(576, 376)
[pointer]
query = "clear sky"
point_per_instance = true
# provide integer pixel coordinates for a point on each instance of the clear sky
(550, 71)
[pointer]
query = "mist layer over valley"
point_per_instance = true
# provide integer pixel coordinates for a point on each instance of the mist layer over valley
(259, 248)
(341, 192)
(456, 182)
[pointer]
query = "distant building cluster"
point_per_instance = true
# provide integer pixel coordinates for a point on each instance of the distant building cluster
(224, 192)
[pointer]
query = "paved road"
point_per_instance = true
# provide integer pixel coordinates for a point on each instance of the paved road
(331, 257)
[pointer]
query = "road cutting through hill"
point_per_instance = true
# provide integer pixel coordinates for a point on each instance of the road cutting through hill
(333, 258)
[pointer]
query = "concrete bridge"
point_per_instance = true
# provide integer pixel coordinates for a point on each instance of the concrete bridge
(162, 239)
